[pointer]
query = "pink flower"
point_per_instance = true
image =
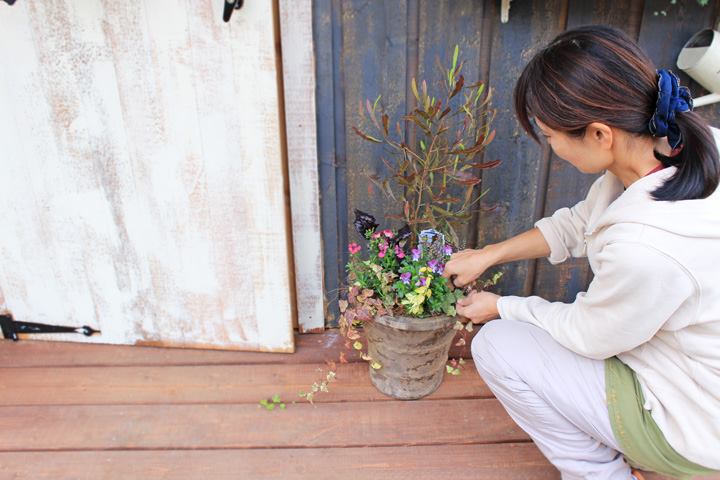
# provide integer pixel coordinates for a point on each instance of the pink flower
(354, 248)
(376, 235)
(388, 233)
(382, 247)
(399, 252)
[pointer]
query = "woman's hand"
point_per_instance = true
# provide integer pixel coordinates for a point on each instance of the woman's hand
(467, 265)
(479, 307)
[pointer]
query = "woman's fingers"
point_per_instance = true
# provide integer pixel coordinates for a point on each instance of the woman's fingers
(464, 267)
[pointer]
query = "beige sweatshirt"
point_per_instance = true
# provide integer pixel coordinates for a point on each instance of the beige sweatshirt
(654, 301)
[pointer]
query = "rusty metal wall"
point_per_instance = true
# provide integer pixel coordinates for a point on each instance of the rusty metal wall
(364, 48)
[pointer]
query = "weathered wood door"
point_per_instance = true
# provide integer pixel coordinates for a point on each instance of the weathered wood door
(142, 190)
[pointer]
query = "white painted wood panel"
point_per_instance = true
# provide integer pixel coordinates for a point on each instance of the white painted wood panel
(142, 188)
(298, 62)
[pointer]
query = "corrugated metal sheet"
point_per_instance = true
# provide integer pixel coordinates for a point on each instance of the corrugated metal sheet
(366, 48)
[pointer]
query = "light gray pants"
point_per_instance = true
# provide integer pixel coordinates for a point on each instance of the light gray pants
(555, 395)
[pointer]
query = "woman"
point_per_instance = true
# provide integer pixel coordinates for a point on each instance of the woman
(630, 371)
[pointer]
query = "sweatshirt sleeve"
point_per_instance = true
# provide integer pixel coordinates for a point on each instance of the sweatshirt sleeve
(636, 289)
(564, 230)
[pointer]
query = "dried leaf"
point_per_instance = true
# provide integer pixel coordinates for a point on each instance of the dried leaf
(458, 86)
(489, 138)
(366, 136)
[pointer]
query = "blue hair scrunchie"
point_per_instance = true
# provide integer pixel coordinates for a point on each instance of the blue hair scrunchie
(671, 99)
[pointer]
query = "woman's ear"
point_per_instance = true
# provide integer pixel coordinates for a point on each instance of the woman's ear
(600, 135)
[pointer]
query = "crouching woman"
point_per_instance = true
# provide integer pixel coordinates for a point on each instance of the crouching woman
(627, 377)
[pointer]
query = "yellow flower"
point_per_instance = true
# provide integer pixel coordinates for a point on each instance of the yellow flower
(424, 269)
(423, 291)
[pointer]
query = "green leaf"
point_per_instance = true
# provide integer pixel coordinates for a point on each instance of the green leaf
(282, 406)
(271, 406)
(276, 398)
(455, 56)
(413, 85)
(376, 102)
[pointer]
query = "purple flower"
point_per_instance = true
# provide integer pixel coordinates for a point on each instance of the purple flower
(441, 269)
(421, 282)
(416, 253)
(447, 250)
(433, 264)
(405, 277)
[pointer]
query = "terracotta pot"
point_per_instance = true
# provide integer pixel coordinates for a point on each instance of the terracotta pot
(412, 351)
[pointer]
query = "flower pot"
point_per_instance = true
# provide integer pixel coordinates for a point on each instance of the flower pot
(412, 352)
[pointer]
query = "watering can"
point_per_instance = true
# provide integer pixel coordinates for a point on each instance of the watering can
(700, 59)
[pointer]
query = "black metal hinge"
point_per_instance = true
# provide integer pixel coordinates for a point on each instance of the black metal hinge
(11, 328)
(229, 6)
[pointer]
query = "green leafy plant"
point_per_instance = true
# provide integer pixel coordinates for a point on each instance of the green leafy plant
(270, 404)
(433, 179)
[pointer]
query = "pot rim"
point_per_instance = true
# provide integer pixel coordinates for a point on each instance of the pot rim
(414, 324)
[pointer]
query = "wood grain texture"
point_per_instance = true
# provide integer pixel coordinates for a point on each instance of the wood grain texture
(478, 462)
(250, 426)
(319, 348)
(566, 185)
(513, 188)
(205, 384)
(298, 64)
(143, 173)
(374, 63)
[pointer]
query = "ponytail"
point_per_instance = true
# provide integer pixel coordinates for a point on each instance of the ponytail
(698, 162)
(597, 73)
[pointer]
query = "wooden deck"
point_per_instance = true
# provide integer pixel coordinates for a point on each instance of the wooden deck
(77, 411)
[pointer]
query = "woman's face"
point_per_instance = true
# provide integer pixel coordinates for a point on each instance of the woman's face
(588, 153)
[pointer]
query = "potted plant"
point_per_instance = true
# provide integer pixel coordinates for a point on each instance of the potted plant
(397, 292)
(392, 288)
(395, 288)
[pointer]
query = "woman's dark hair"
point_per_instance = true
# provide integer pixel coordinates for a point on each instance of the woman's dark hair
(598, 74)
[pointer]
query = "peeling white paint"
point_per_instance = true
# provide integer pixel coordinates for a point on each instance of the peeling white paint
(142, 189)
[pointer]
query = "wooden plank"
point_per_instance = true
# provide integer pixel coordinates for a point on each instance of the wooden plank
(333, 425)
(326, 41)
(134, 199)
(205, 384)
(509, 461)
(299, 94)
(509, 207)
(309, 349)
(374, 60)
(565, 184)
(442, 26)
(662, 37)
